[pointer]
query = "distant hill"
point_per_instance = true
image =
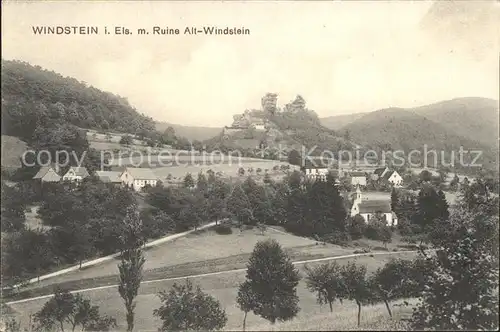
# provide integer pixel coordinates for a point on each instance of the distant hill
(190, 132)
(337, 122)
(33, 96)
(398, 128)
(403, 129)
(474, 118)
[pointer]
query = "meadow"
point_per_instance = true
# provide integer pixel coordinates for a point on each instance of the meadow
(227, 169)
(200, 252)
(224, 287)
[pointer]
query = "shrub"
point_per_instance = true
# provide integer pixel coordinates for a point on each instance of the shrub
(362, 251)
(186, 307)
(404, 227)
(223, 229)
(357, 227)
(339, 238)
(378, 230)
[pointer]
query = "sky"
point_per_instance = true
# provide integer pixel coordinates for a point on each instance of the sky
(341, 57)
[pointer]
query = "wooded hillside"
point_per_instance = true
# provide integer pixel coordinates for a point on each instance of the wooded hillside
(32, 96)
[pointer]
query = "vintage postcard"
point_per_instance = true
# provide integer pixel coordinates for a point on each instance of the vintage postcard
(250, 165)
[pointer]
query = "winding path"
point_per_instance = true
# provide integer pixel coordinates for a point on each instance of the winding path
(214, 273)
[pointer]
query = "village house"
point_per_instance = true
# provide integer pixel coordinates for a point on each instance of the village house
(138, 178)
(394, 178)
(385, 174)
(47, 174)
(372, 209)
(315, 169)
(358, 179)
(259, 126)
(109, 177)
(75, 174)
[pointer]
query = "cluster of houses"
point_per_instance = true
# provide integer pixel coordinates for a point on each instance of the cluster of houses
(366, 208)
(359, 177)
(136, 178)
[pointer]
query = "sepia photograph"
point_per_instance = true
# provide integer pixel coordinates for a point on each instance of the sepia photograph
(250, 165)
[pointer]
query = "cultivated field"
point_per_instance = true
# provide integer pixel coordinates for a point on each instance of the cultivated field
(228, 169)
(224, 288)
(111, 146)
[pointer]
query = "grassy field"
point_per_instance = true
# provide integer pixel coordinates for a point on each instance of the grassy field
(201, 252)
(226, 168)
(111, 146)
(206, 252)
(224, 288)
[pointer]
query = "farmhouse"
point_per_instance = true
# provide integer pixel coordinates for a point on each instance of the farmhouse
(137, 178)
(76, 174)
(47, 174)
(394, 178)
(315, 169)
(385, 174)
(373, 209)
(358, 179)
(109, 177)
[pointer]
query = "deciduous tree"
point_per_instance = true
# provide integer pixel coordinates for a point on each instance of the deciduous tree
(326, 281)
(356, 285)
(132, 263)
(66, 309)
(185, 308)
(461, 291)
(273, 281)
(245, 300)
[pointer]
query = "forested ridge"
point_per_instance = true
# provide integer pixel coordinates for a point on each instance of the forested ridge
(32, 96)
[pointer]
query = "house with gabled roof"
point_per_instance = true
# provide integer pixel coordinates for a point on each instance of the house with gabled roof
(112, 177)
(76, 174)
(373, 209)
(138, 178)
(393, 178)
(315, 168)
(358, 179)
(47, 174)
(390, 176)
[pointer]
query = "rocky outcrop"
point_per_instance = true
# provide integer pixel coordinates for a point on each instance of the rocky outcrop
(299, 104)
(269, 103)
(240, 121)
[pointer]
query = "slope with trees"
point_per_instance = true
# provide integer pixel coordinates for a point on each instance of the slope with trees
(294, 125)
(400, 129)
(32, 95)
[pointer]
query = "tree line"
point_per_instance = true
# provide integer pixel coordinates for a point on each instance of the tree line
(84, 221)
(33, 96)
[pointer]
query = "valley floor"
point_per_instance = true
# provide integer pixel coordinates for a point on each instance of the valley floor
(189, 256)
